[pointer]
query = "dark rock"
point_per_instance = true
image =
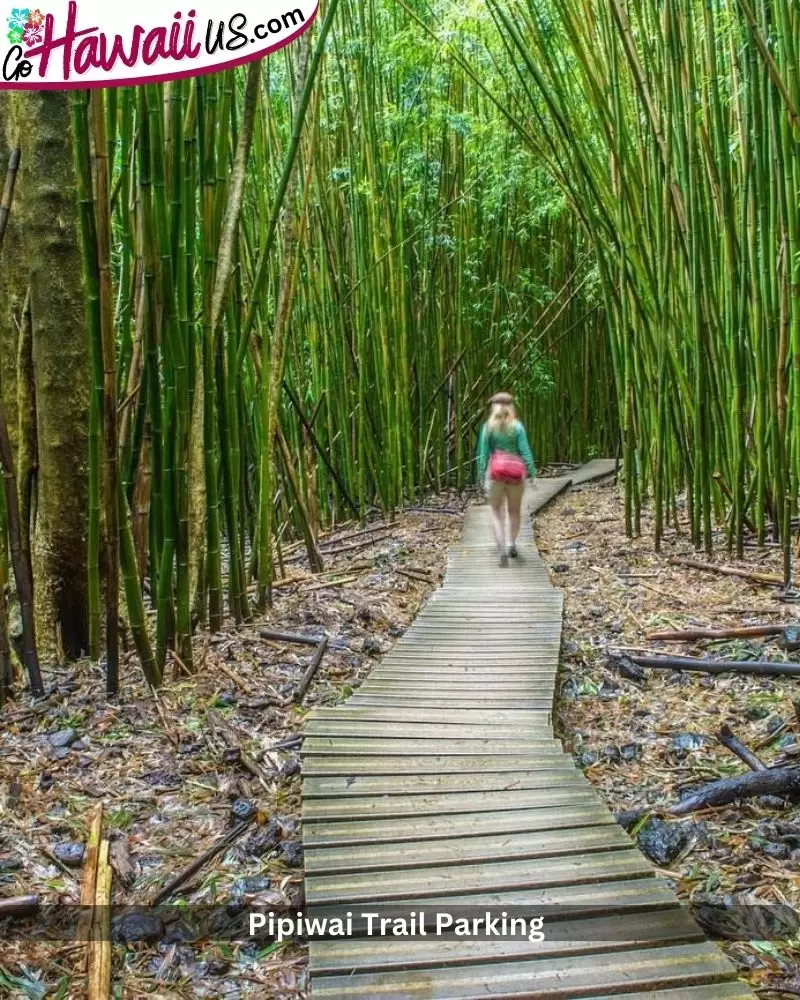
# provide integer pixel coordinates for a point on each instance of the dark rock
(561, 568)
(46, 781)
(396, 630)
(630, 751)
(611, 755)
(242, 809)
(686, 742)
(608, 689)
(232, 755)
(292, 853)
(596, 611)
(787, 740)
(80, 745)
(774, 723)
(252, 884)
(69, 853)
(226, 698)
(371, 646)
(163, 779)
(570, 648)
(755, 712)
(59, 753)
(679, 678)
(573, 546)
(663, 842)
(628, 818)
(63, 738)
(264, 840)
(217, 967)
(289, 768)
(137, 926)
(588, 757)
(626, 668)
(778, 851)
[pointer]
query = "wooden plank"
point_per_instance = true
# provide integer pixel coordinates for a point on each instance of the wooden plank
(387, 806)
(624, 932)
(343, 746)
(388, 700)
(418, 730)
(356, 887)
(444, 716)
(326, 834)
(472, 850)
(641, 895)
(425, 784)
(422, 765)
(547, 979)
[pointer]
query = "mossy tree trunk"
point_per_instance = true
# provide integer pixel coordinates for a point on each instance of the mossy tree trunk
(49, 271)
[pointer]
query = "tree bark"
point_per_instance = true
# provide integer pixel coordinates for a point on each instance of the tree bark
(45, 208)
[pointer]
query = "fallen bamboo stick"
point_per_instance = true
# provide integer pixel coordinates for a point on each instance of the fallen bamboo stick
(301, 640)
(768, 579)
(18, 906)
(727, 739)
(740, 632)
(100, 941)
(308, 676)
(773, 781)
(763, 668)
(225, 841)
(89, 886)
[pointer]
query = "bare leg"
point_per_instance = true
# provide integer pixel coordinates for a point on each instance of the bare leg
(496, 503)
(514, 511)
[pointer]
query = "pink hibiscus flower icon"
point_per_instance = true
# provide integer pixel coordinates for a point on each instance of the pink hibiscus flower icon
(33, 34)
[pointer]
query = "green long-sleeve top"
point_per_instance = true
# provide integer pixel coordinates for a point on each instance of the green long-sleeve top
(514, 441)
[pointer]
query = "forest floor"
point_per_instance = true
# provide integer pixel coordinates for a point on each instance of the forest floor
(651, 743)
(177, 771)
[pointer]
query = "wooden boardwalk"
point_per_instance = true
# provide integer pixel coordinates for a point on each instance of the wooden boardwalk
(439, 785)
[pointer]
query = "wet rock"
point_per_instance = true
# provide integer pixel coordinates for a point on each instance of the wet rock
(59, 753)
(63, 738)
(217, 967)
(596, 611)
(262, 841)
(46, 781)
(628, 818)
(253, 884)
(685, 743)
(608, 689)
(610, 755)
(225, 699)
(774, 723)
(574, 546)
(561, 568)
(787, 740)
(289, 768)
(755, 712)
(396, 630)
(292, 853)
(137, 926)
(371, 646)
(241, 810)
(69, 853)
(663, 842)
(780, 852)
(588, 758)
(630, 751)
(570, 648)
(626, 668)
(679, 679)
(80, 745)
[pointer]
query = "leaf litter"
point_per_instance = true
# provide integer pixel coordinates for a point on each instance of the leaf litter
(177, 770)
(647, 738)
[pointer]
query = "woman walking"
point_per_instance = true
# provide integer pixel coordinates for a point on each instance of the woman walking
(504, 457)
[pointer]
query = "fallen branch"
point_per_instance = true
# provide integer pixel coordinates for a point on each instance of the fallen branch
(432, 510)
(225, 841)
(301, 640)
(231, 738)
(783, 781)
(727, 739)
(414, 575)
(357, 545)
(19, 906)
(740, 632)
(308, 676)
(693, 663)
(89, 886)
(99, 984)
(768, 579)
(325, 584)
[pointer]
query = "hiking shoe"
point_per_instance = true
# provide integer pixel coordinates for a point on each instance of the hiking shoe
(504, 560)
(513, 552)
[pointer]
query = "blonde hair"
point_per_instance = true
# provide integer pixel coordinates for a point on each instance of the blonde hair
(502, 418)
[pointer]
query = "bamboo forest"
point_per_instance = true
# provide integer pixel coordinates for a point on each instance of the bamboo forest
(249, 324)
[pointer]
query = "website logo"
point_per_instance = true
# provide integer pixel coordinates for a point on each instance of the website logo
(92, 43)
